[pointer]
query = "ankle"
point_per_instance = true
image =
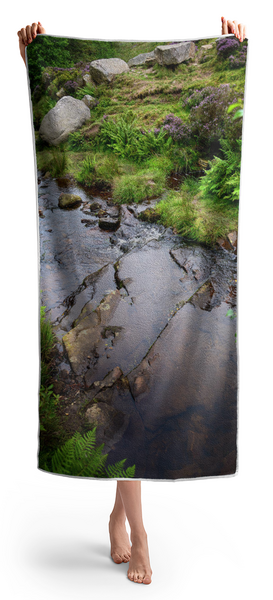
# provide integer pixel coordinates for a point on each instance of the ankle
(117, 518)
(138, 536)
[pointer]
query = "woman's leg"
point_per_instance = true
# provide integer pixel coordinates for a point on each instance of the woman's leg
(120, 543)
(139, 566)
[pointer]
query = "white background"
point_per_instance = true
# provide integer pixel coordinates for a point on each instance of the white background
(210, 538)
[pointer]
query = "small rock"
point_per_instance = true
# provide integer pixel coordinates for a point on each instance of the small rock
(68, 200)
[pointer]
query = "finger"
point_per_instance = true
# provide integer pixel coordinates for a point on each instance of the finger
(20, 37)
(34, 28)
(241, 31)
(236, 28)
(28, 33)
(231, 28)
(244, 32)
(41, 29)
(224, 26)
(23, 35)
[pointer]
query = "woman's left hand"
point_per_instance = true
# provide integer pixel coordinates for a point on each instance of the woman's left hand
(233, 27)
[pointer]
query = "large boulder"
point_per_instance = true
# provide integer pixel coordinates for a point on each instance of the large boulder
(68, 115)
(146, 58)
(174, 54)
(104, 70)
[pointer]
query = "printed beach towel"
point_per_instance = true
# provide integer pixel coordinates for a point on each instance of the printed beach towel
(137, 146)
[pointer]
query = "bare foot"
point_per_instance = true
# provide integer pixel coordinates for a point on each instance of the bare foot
(120, 543)
(139, 566)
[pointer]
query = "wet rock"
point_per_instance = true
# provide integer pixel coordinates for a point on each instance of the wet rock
(192, 365)
(114, 391)
(232, 237)
(67, 116)
(95, 206)
(194, 261)
(150, 215)
(224, 243)
(203, 298)
(64, 368)
(107, 382)
(81, 343)
(68, 200)
(109, 223)
(88, 222)
(110, 423)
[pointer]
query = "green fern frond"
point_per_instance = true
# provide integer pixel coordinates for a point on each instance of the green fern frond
(79, 457)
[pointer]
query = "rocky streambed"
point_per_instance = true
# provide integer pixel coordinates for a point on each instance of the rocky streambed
(146, 350)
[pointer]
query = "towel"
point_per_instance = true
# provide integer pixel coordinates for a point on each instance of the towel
(137, 149)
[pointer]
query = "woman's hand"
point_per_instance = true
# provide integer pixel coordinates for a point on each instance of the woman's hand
(27, 35)
(233, 27)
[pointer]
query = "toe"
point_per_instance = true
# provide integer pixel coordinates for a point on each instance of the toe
(147, 579)
(117, 558)
(125, 559)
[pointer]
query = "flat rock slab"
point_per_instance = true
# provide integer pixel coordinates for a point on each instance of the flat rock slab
(191, 364)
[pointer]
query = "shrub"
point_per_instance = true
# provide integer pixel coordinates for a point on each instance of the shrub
(175, 128)
(71, 87)
(226, 46)
(239, 60)
(209, 118)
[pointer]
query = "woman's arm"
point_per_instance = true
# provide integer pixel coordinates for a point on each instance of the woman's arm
(233, 27)
(27, 34)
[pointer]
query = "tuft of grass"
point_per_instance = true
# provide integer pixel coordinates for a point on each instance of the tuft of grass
(98, 169)
(54, 160)
(140, 186)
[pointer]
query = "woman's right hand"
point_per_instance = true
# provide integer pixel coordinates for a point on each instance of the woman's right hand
(27, 35)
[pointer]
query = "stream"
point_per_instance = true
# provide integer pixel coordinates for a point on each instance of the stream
(140, 314)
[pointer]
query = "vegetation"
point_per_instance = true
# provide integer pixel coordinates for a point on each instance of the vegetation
(149, 124)
(77, 455)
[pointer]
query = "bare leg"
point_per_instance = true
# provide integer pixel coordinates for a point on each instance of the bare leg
(139, 566)
(120, 543)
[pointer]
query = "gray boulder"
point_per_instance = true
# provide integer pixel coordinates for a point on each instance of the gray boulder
(174, 54)
(147, 58)
(68, 115)
(105, 69)
(88, 79)
(90, 101)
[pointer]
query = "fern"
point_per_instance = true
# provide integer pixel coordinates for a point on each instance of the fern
(79, 457)
(127, 140)
(221, 183)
